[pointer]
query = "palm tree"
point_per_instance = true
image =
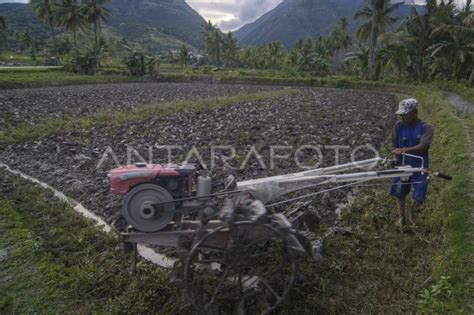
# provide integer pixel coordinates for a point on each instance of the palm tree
(394, 59)
(184, 55)
(213, 45)
(45, 10)
(415, 36)
(64, 45)
(3, 29)
(378, 16)
(456, 42)
(358, 60)
(452, 39)
(3, 23)
(246, 57)
(340, 38)
(343, 23)
(95, 12)
(230, 48)
(26, 41)
(274, 52)
(70, 17)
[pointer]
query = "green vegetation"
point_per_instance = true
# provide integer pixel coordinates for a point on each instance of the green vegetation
(11, 57)
(378, 16)
(21, 78)
(55, 261)
(436, 43)
(121, 117)
(429, 45)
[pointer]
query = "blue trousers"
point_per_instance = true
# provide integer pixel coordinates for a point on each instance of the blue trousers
(400, 189)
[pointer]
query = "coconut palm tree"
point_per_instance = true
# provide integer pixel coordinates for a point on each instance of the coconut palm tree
(95, 12)
(25, 40)
(3, 23)
(71, 17)
(339, 37)
(394, 59)
(3, 30)
(378, 17)
(45, 10)
(415, 37)
(274, 53)
(305, 49)
(358, 61)
(455, 42)
(213, 45)
(184, 55)
(230, 48)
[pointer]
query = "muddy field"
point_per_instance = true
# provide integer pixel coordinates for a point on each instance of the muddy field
(316, 117)
(34, 105)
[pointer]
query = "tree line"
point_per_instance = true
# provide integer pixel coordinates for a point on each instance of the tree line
(72, 15)
(435, 41)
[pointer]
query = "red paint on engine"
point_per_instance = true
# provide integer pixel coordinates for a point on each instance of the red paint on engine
(124, 178)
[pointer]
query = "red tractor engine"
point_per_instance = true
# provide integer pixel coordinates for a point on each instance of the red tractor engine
(151, 190)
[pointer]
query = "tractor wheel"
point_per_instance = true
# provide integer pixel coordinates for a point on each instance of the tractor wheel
(243, 268)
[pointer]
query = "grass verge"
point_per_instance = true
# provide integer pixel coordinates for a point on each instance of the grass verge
(17, 78)
(118, 118)
(54, 261)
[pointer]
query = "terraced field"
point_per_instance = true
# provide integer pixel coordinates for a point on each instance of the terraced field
(70, 161)
(30, 106)
(355, 264)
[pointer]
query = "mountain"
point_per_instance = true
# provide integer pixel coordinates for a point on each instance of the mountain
(293, 20)
(20, 17)
(147, 20)
(156, 24)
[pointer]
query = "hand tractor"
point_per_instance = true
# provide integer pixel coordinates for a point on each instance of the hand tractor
(239, 255)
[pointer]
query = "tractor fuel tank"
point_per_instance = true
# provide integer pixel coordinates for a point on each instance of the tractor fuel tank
(204, 186)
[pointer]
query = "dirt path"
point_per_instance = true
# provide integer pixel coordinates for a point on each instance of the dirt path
(467, 108)
(459, 102)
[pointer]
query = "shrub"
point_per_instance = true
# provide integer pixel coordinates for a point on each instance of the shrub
(136, 63)
(82, 61)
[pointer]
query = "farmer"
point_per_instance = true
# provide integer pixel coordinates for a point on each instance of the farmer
(410, 136)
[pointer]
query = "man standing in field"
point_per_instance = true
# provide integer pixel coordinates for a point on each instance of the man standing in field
(411, 136)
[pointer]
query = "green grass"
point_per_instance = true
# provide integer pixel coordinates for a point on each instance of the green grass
(118, 118)
(24, 59)
(55, 262)
(452, 207)
(18, 78)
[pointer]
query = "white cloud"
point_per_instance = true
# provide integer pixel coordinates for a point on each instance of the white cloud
(231, 14)
(12, 1)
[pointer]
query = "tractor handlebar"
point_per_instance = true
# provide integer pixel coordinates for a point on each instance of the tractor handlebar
(443, 176)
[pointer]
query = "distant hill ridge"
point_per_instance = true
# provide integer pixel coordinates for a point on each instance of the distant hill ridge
(149, 22)
(293, 20)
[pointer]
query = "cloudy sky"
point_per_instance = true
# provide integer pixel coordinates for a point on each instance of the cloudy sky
(228, 14)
